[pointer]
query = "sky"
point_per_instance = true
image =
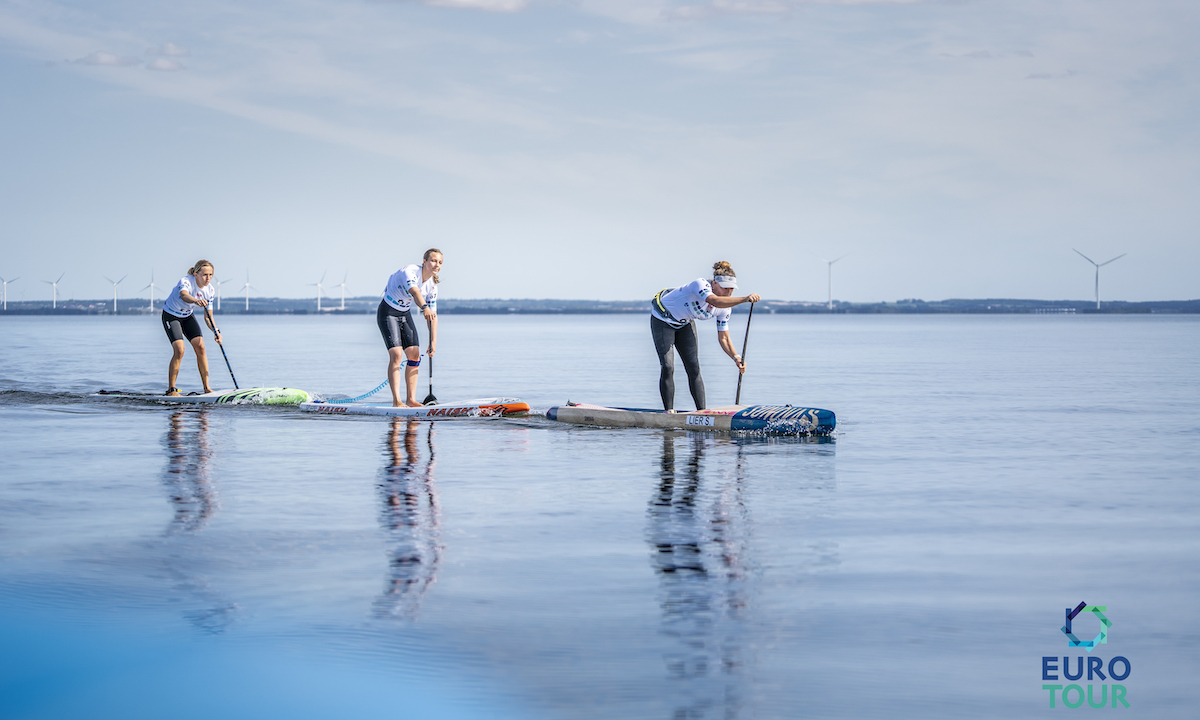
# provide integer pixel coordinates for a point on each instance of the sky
(604, 149)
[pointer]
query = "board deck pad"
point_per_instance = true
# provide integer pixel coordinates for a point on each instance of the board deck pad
(481, 407)
(244, 396)
(777, 419)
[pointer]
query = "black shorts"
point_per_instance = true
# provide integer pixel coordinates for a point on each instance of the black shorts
(178, 328)
(396, 327)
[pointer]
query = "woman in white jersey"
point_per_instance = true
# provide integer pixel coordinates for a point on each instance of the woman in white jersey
(195, 290)
(414, 285)
(673, 316)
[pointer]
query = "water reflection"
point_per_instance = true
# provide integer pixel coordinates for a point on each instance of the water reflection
(697, 530)
(188, 473)
(411, 518)
(193, 495)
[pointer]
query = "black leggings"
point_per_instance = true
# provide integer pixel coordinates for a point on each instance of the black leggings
(666, 339)
(396, 327)
(186, 328)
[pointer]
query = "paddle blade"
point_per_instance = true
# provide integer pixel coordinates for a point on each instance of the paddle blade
(430, 399)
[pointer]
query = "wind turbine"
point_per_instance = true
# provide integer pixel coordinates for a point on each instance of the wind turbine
(115, 284)
(54, 284)
(248, 287)
(830, 263)
(6, 282)
(218, 284)
(343, 287)
(151, 286)
(1098, 266)
(318, 284)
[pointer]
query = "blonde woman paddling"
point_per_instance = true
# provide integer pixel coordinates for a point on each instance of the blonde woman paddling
(194, 290)
(408, 287)
(673, 316)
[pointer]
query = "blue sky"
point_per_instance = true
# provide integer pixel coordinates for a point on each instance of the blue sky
(598, 149)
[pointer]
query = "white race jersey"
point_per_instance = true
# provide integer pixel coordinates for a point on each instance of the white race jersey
(689, 302)
(396, 292)
(175, 304)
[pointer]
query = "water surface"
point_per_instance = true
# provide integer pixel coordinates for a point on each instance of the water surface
(260, 562)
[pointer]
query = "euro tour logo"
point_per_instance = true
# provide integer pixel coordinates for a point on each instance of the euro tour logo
(1073, 695)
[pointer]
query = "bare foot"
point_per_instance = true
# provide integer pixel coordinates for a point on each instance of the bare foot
(414, 403)
(172, 393)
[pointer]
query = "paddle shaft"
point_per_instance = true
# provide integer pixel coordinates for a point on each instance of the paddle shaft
(227, 365)
(430, 399)
(738, 399)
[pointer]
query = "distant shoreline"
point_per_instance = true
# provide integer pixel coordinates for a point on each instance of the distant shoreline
(367, 305)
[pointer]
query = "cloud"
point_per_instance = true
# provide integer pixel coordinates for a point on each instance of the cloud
(727, 7)
(164, 65)
(103, 58)
(497, 6)
(1051, 76)
(168, 49)
(760, 7)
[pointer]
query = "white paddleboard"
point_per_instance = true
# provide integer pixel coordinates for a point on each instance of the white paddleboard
(244, 396)
(482, 407)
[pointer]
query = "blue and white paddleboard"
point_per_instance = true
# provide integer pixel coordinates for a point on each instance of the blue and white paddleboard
(782, 419)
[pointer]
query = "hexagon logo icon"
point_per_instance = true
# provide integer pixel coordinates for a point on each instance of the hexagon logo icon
(1105, 624)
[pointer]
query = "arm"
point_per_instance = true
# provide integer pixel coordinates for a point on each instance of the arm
(187, 297)
(727, 302)
(208, 319)
(727, 346)
(432, 335)
(415, 293)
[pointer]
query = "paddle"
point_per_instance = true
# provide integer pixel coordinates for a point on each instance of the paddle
(213, 323)
(738, 400)
(430, 399)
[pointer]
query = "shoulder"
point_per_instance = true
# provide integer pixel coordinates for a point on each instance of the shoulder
(700, 286)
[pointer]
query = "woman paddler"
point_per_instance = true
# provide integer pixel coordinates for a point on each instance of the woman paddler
(673, 316)
(194, 290)
(414, 285)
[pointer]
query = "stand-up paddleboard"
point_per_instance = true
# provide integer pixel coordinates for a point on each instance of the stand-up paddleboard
(245, 396)
(483, 407)
(783, 419)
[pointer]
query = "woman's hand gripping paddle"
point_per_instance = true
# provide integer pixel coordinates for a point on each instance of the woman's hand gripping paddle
(738, 400)
(430, 399)
(212, 323)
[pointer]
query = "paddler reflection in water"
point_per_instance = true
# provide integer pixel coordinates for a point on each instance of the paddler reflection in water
(409, 286)
(673, 316)
(194, 290)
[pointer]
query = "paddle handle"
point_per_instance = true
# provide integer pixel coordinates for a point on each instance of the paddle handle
(745, 341)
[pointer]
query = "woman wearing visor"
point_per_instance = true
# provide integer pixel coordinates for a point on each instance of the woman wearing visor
(673, 316)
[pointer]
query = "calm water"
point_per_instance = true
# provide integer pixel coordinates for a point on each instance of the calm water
(255, 562)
